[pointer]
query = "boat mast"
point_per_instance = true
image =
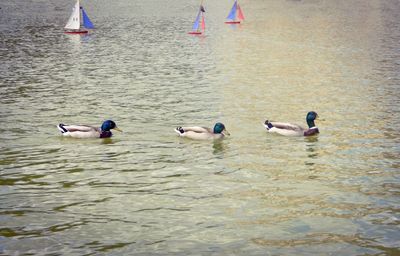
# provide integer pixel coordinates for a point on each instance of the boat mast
(203, 26)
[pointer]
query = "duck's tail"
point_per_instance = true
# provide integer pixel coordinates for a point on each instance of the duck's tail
(268, 125)
(62, 128)
(179, 130)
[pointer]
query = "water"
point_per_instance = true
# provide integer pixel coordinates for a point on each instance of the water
(146, 191)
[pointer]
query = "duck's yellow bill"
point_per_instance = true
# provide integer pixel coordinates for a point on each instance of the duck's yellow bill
(225, 132)
(117, 129)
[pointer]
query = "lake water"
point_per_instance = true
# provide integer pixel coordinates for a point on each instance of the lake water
(148, 192)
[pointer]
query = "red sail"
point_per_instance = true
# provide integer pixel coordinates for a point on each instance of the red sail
(240, 13)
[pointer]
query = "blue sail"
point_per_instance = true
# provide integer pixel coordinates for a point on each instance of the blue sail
(232, 14)
(86, 21)
(196, 22)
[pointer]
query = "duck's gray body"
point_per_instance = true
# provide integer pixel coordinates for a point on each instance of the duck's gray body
(202, 133)
(79, 131)
(288, 129)
(86, 131)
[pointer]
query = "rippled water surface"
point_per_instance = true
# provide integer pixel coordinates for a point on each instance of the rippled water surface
(147, 191)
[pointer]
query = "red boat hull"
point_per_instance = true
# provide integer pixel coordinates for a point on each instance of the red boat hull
(232, 22)
(76, 32)
(194, 33)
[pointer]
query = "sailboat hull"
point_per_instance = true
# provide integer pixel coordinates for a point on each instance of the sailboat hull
(195, 33)
(232, 22)
(76, 32)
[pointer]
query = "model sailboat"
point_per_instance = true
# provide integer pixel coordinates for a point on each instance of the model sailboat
(74, 25)
(235, 16)
(199, 25)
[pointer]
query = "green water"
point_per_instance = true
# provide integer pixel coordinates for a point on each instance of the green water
(148, 192)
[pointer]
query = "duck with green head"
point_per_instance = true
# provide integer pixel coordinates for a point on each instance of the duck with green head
(203, 133)
(86, 131)
(288, 129)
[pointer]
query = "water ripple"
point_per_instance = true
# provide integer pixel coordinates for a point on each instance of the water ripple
(148, 190)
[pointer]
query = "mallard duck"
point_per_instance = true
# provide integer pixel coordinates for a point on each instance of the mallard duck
(203, 133)
(287, 129)
(85, 131)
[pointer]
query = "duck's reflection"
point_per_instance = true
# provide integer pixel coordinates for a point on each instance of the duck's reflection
(107, 141)
(218, 147)
(312, 151)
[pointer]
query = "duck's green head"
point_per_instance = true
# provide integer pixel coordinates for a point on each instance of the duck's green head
(311, 116)
(108, 125)
(220, 128)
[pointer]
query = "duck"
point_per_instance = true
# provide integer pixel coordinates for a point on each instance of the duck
(288, 129)
(85, 131)
(203, 133)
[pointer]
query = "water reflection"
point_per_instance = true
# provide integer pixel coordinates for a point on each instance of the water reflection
(76, 40)
(313, 157)
(146, 190)
(219, 148)
(107, 141)
(312, 146)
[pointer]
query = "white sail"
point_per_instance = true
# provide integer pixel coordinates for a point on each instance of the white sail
(74, 21)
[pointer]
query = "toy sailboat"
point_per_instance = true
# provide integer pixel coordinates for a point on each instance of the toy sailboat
(199, 25)
(74, 25)
(235, 16)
